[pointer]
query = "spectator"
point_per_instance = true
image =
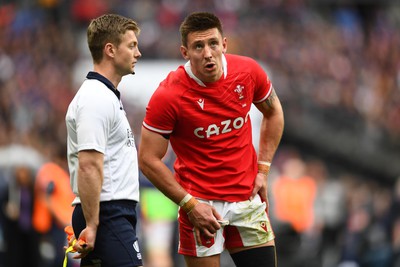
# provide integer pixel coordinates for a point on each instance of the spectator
(16, 209)
(52, 211)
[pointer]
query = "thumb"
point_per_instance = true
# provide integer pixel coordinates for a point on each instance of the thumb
(254, 192)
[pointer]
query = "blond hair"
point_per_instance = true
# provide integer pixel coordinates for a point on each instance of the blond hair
(107, 28)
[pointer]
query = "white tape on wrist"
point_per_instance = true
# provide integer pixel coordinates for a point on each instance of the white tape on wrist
(185, 200)
(267, 163)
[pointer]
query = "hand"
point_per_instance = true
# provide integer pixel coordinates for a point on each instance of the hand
(85, 242)
(204, 219)
(261, 188)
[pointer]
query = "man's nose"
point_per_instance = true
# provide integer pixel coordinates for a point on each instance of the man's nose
(138, 54)
(207, 52)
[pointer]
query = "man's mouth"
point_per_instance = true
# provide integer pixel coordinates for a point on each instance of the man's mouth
(210, 66)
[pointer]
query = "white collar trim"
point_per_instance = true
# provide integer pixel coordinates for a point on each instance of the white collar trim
(189, 71)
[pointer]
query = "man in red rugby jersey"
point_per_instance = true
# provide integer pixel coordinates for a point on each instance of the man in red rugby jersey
(220, 182)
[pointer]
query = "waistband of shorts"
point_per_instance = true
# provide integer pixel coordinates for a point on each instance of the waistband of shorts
(119, 202)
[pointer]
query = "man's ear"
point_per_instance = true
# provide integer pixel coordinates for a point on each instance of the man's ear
(224, 45)
(109, 50)
(184, 52)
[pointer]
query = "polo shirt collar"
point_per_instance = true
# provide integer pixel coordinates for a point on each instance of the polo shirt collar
(96, 76)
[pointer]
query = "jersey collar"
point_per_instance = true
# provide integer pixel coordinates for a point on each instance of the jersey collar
(189, 71)
(96, 76)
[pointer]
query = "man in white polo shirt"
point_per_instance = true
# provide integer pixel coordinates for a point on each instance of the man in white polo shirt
(102, 155)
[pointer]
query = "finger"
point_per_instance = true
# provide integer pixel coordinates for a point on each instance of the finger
(217, 226)
(267, 208)
(198, 236)
(254, 192)
(216, 214)
(83, 251)
(78, 248)
(71, 238)
(82, 243)
(263, 195)
(208, 234)
(80, 255)
(77, 256)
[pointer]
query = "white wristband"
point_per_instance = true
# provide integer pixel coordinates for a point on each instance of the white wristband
(267, 163)
(185, 200)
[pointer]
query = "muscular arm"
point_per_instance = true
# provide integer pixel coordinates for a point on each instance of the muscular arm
(152, 149)
(90, 180)
(271, 127)
(271, 131)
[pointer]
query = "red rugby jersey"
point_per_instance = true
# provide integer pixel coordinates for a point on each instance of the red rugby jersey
(209, 127)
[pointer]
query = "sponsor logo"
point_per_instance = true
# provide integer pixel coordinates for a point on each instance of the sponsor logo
(136, 248)
(131, 139)
(264, 226)
(222, 127)
(201, 103)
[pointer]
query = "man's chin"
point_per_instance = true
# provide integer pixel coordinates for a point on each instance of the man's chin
(211, 77)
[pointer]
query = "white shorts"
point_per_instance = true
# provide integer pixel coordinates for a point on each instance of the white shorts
(249, 225)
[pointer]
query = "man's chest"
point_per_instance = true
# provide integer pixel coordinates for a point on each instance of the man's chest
(209, 111)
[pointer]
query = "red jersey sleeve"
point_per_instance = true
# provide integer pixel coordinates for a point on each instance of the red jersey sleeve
(162, 109)
(263, 86)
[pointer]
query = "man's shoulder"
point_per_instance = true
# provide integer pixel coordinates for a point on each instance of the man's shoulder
(90, 87)
(92, 84)
(176, 81)
(176, 75)
(233, 58)
(243, 64)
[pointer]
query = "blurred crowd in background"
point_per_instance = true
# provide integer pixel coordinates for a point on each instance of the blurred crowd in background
(334, 187)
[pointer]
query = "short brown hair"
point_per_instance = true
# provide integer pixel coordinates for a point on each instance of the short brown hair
(198, 21)
(107, 28)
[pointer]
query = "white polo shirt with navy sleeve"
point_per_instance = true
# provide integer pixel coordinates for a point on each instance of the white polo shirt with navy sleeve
(96, 120)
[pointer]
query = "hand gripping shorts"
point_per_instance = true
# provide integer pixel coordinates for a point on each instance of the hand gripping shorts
(249, 225)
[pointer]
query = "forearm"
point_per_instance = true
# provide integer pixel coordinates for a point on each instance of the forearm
(89, 186)
(270, 136)
(162, 178)
(90, 180)
(152, 150)
(271, 129)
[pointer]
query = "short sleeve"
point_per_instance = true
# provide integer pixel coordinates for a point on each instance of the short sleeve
(263, 87)
(93, 121)
(161, 111)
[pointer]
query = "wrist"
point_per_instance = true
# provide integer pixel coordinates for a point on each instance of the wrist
(188, 203)
(263, 167)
